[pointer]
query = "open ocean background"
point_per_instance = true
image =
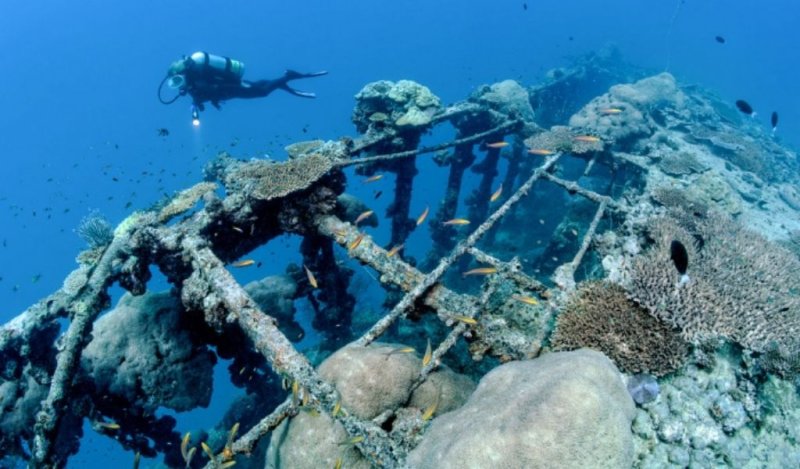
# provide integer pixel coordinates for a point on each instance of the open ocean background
(79, 114)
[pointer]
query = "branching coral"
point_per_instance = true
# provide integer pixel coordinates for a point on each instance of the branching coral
(743, 287)
(600, 316)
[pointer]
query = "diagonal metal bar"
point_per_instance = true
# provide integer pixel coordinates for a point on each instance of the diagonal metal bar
(574, 187)
(224, 295)
(509, 270)
(565, 273)
(430, 279)
(85, 306)
(420, 151)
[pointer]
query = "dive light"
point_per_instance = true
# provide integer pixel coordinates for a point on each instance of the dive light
(195, 117)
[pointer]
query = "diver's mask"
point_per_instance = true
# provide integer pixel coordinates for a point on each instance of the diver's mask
(176, 82)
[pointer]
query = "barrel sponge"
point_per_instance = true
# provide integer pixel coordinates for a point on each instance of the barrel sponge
(600, 316)
(563, 409)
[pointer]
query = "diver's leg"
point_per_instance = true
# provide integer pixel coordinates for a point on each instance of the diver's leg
(261, 88)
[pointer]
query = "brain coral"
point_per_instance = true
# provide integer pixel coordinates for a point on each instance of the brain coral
(600, 316)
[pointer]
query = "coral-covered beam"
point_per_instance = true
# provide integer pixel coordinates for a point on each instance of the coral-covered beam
(84, 309)
(424, 285)
(212, 288)
(499, 130)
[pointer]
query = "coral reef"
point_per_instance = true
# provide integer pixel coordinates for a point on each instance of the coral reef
(709, 417)
(599, 315)
(142, 352)
(567, 409)
(573, 252)
(379, 380)
(385, 104)
(743, 287)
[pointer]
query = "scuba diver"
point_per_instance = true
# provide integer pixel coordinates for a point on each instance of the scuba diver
(213, 78)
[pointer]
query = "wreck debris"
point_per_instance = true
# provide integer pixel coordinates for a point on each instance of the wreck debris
(198, 235)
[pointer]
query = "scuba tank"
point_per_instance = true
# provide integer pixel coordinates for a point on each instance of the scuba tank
(217, 64)
(199, 63)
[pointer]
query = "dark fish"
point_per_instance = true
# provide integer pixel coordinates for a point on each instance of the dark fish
(378, 194)
(774, 121)
(720, 39)
(163, 132)
(525, 6)
(679, 256)
(745, 107)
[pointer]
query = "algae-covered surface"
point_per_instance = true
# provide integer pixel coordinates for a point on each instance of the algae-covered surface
(450, 258)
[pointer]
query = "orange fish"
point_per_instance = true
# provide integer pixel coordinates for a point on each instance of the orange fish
(363, 217)
(374, 178)
(356, 242)
(456, 221)
(480, 271)
(611, 110)
(394, 250)
(586, 139)
(311, 279)
(540, 151)
(244, 263)
(424, 215)
(497, 144)
(496, 194)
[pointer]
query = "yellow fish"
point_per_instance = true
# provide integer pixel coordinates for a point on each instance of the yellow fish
(244, 263)
(424, 215)
(227, 464)
(338, 463)
(363, 217)
(136, 458)
(526, 299)
(227, 452)
(497, 144)
(189, 457)
(480, 271)
(374, 178)
(456, 221)
(428, 414)
(111, 426)
(356, 242)
(311, 279)
(465, 319)
(295, 392)
(428, 354)
(185, 445)
(540, 151)
(611, 110)
(353, 440)
(336, 408)
(236, 228)
(207, 450)
(586, 139)
(496, 194)
(395, 250)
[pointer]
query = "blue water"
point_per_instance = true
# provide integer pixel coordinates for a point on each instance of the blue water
(79, 114)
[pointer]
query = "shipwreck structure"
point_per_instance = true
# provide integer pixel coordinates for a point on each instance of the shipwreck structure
(567, 226)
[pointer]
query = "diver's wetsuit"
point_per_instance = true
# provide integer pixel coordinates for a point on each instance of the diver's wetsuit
(214, 88)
